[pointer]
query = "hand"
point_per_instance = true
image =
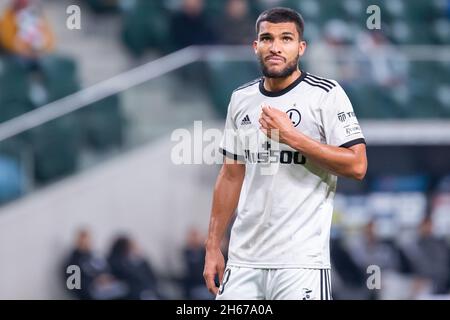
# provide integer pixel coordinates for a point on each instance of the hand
(214, 264)
(276, 124)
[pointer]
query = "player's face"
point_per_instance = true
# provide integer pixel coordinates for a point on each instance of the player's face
(278, 48)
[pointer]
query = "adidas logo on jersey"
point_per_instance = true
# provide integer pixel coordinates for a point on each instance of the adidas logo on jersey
(246, 121)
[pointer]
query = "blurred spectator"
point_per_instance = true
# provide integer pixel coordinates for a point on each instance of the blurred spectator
(383, 253)
(96, 280)
(128, 265)
(194, 255)
(236, 27)
(25, 32)
(326, 58)
(349, 281)
(388, 67)
(191, 26)
(429, 257)
(26, 36)
(371, 250)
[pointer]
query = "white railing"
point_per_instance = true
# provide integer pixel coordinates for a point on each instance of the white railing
(97, 92)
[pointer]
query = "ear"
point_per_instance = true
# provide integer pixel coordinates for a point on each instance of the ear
(302, 48)
(255, 46)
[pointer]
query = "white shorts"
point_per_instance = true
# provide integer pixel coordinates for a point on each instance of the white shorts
(241, 283)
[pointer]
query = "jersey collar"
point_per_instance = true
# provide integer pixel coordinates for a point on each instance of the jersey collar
(281, 92)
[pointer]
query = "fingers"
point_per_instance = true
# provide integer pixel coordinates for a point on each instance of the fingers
(220, 271)
(265, 118)
(263, 123)
(267, 110)
(270, 112)
(265, 127)
(210, 284)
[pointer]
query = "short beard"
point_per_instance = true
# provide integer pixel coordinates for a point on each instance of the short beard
(286, 72)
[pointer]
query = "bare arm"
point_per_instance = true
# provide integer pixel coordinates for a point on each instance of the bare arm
(225, 201)
(348, 162)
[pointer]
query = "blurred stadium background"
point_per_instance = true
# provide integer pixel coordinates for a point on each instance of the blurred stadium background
(85, 125)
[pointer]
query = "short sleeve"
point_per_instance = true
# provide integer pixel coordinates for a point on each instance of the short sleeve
(230, 145)
(340, 124)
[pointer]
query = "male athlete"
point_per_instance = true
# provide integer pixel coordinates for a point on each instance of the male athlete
(279, 245)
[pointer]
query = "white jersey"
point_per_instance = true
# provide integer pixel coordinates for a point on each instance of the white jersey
(284, 216)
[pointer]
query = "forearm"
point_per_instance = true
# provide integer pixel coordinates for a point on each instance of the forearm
(340, 161)
(225, 201)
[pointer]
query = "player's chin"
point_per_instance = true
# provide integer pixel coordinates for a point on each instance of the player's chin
(274, 71)
(275, 67)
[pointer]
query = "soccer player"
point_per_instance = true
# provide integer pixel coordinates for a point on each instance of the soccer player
(279, 245)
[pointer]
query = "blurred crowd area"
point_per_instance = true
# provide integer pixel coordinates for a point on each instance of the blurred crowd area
(124, 272)
(401, 225)
(381, 248)
(371, 65)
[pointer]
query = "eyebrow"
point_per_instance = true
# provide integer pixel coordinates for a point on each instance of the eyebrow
(265, 34)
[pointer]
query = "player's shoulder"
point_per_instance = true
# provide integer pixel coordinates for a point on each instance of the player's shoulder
(248, 86)
(321, 84)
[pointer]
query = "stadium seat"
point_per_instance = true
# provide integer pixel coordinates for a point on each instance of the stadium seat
(102, 124)
(319, 11)
(55, 144)
(225, 77)
(442, 94)
(396, 8)
(309, 9)
(331, 10)
(146, 25)
(14, 102)
(381, 108)
(441, 31)
(419, 11)
(55, 148)
(215, 8)
(423, 81)
(104, 6)
(14, 90)
(60, 76)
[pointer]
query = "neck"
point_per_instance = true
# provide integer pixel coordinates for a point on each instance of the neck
(278, 84)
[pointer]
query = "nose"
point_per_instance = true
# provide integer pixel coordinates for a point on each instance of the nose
(275, 47)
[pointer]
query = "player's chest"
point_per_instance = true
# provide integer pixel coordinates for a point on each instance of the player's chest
(304, 116)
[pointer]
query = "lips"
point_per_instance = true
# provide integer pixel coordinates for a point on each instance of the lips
(275, 59)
